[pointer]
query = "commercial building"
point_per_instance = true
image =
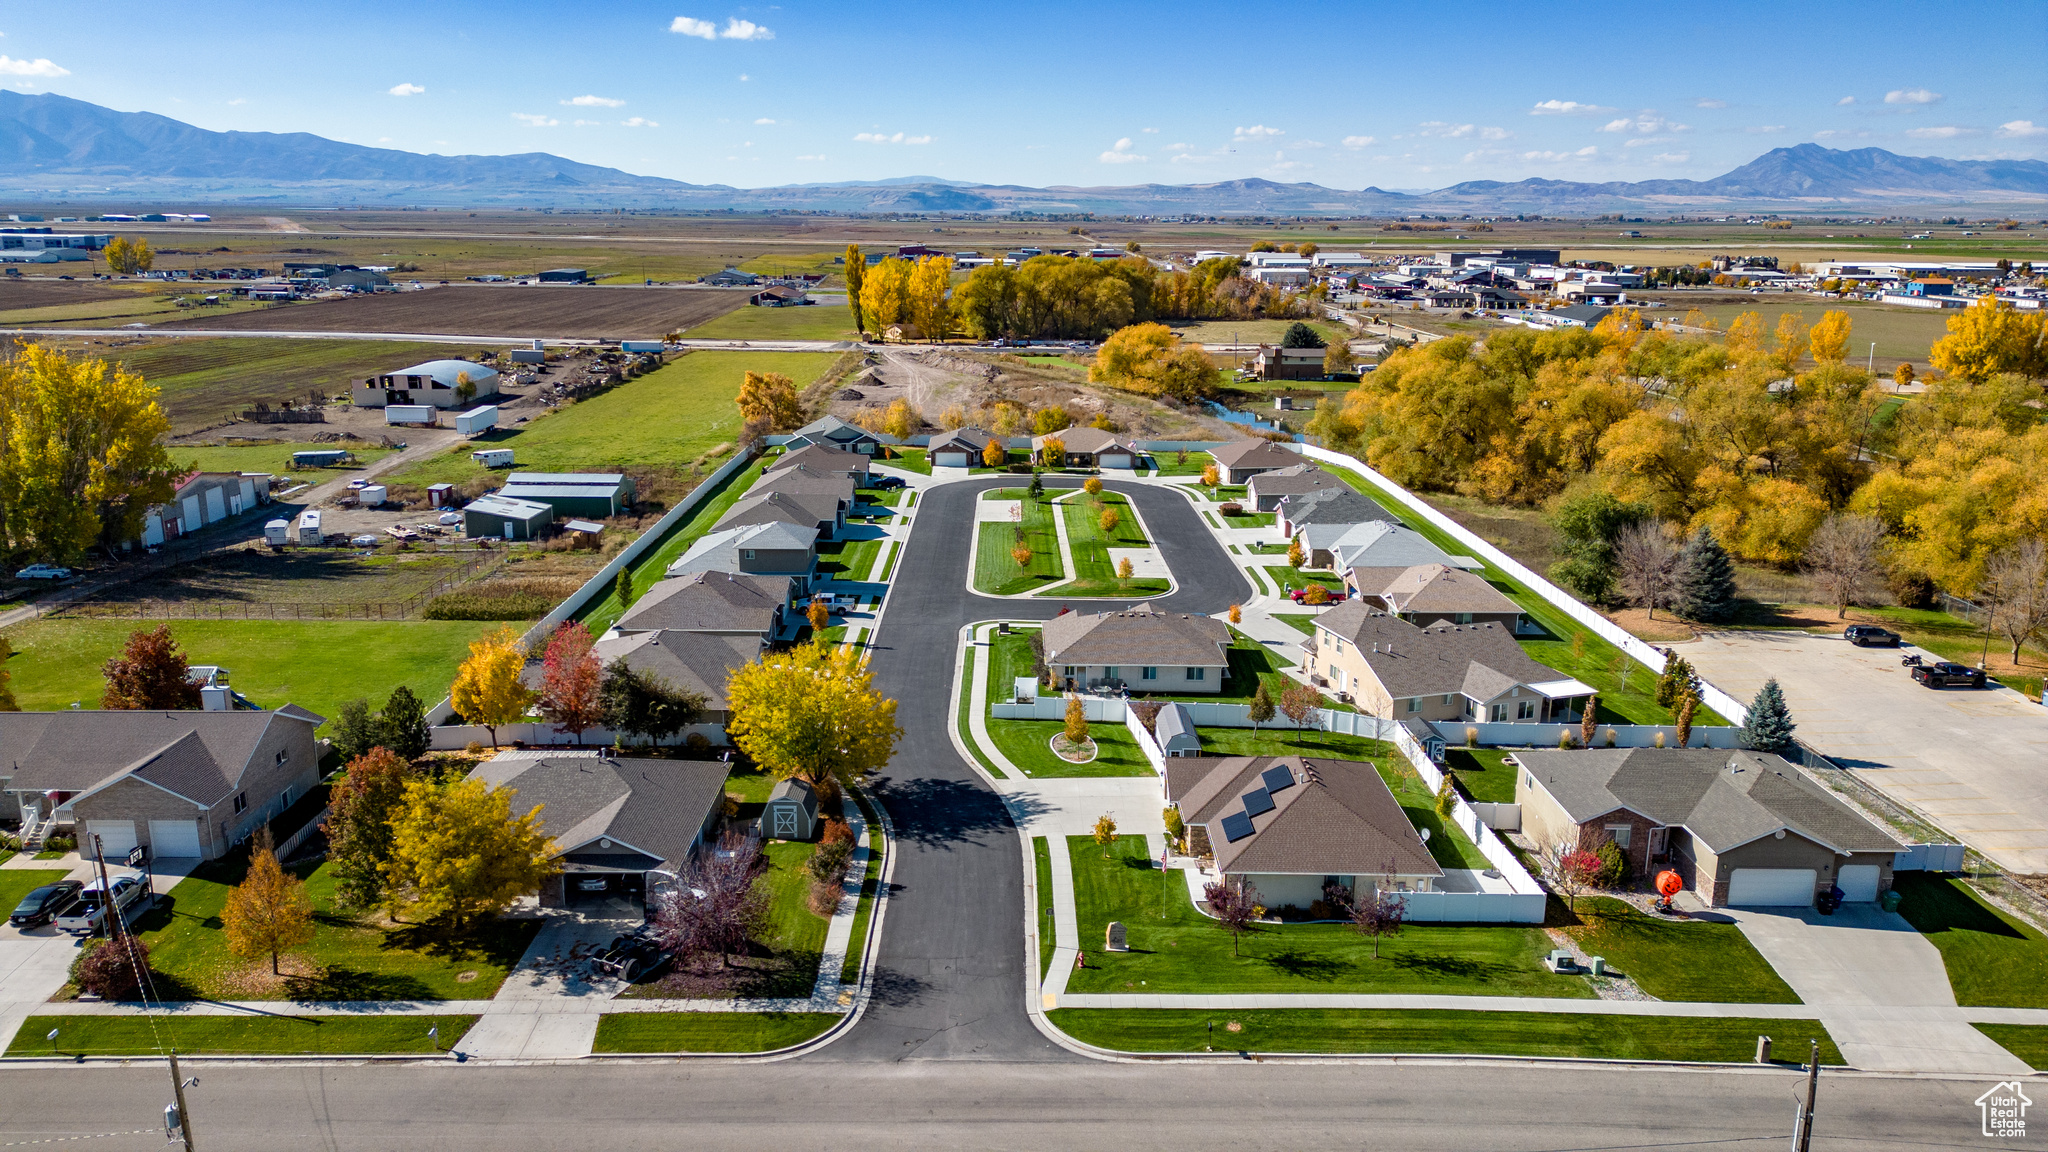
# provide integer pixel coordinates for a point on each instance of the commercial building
(505, 518)
(440, 383)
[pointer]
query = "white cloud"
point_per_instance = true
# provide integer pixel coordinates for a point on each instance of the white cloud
(1256, 131)
(638, 122)
(534, 119)
(819, 156)
(1360, 141)
(1709, 102)
(1646, 141)
(1944, 132)
(395, 89)
(1566, 108)
(1911, 96)
(1149, 131)
(1120, 153)
(585, 123)
(1845, 101)
(1587, 152)
(701, 29)
(237, 101)
(1446, 130)
(594, 102)
(738, 29)
(1645, 123)
(9, 66)
(1494, 133)
(1176, 147)
(764, 120)
(1672, 157)
(898, 138)
(2015, 129)
(1764, 129)
(744, 77)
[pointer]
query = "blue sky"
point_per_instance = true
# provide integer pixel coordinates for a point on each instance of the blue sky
(1341, 94)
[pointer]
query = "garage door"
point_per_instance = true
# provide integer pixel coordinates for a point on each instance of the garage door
(174, 839)
(117, 837)
(1858, 882)
(1771, 887)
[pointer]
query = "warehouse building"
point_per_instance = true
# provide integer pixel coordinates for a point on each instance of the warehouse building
(437, 382)
(598, 494)
(505, 518)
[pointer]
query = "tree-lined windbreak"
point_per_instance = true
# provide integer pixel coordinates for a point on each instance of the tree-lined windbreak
(82, 457)
(1063, 298)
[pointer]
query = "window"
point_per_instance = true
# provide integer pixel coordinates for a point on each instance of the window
(1449, 698)
(1198, 673)
(1148, 674)
(1109, 672)
(1500, 713)
(1529, 779)
(1415, 704)
(746, 553)
(241, 802)
(1070, 670)
(284, 756)
(1525, 710)
(1461, 617)
(1620, 834)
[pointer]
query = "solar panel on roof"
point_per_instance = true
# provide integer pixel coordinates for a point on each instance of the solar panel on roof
(1277, 778)
(1236, 826)
(1258, 801)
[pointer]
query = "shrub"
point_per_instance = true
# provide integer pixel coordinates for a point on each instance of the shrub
(111, 971)
(1233, 508)
(837, 832)
(9, 843)
(1613, 865)
(61, 844)
(697, 743)
(1911, 589)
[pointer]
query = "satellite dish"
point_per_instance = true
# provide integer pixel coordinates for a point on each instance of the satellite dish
(1425, 835)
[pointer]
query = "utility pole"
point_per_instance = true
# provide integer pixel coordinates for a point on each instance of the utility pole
(1870, 365)
(1802, 1129)
(178, 1091)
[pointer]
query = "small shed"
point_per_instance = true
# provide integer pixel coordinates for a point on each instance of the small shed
(441, 495)
(1175, 731)
(791, 812)
(1024, 689)
(505, 518)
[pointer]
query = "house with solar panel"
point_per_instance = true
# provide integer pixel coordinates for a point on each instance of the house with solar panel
(1289, 825)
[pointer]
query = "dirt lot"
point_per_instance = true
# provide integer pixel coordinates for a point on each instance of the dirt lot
(581, 312)
(32, 293)
(253, 581)
(934, 380)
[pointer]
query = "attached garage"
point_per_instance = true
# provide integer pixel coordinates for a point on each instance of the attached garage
(117, 838)
(174, 839)
(1772, 887)
(1858, 882)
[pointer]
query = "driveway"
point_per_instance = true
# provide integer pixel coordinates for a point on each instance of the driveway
(1975, 762)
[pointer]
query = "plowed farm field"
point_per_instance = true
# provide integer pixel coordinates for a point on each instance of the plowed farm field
(577, 312)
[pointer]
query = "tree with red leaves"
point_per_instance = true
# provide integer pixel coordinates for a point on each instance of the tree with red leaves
(1235, 905)
(570, 679)
(150, 674)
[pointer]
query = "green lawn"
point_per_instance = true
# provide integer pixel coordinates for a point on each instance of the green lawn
(1026, 743)
(672, 416)
(1289, 578)
(1176, 949)
(707, 1031)
(907, 459)
(847, 559)
(1094, 574)
(265, 1035)
(603, 611)
(960, 719)
(267, 457)
(1481, 772)
(1170, 464)
(358, 959)
(1729, 1040)
(1678, 959)
(794, 931)
(317, 664)
(1251, 520)
(803, 322)
(870, 883)
(1220, 493)
(1992, 960)
(1302, 622)
(2029, 1042)
(1250, 664)
(1447, 843)
(1041, 854)
(16, 883)
(995, 570)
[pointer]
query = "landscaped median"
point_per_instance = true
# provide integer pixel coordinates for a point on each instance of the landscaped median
(997, 568)
(655, 1033)
(1095, 574)
(240, 1035)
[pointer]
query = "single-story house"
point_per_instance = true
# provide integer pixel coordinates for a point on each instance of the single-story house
(437, 382)
(960, 448)
(1740, 828)
(822, 458)
(1267, 489)
(1276, 363)
(1571, 316)
(1288, 825)
(1088, 448)
(184, 785)
(597, 494)
(506, 518)
(1175, 731)
(621, 827)
(728, 603)
(1143, 649)
(699, 662)
(803, 480)
(1436, 593)
(1448, 298)
(1499, 299)
(1363, 554)
(820, 511)
(791, 812)
(1326, 506)
(770, 549)
(1240, 460)
(1445, 672)
(832, 432)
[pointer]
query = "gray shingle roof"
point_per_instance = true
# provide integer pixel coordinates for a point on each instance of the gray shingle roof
(1480, 660)
(719, 551)
(1143, 635)
(966, 439)
(709, 602)
(1440, 588)
(198, 755)
(1725, 798)
(656, 806)
(801, 509)
(700, 662)
(1291, 481)
(1086, 440)
(1332, 506)
(822, 458)
(1173, 720)
(1250, 453)
(1334, 818)
(1378, 544)
(801, 479)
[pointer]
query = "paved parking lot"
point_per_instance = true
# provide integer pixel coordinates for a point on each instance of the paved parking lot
(1975, 762)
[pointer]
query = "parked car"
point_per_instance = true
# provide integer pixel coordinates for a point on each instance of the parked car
(885, 483)
(44, 904)
(629, 957)
(1870, 636)
(1300, 596)
(43, 572)
(1943, 674)
(88, 916)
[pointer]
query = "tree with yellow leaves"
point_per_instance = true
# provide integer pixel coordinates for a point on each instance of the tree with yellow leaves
(885, 294)
(1789, 345)
(812, 714)
(127, 257)
(927, 297)
(1109, 520)
(1830, 338)
(268, 911)
(458, 852)
(1092, 486)
(1746, 337)
(769, 400)
(856, 267)
(900, 419)
(1990, 337)
(1150, 359)
(993, 454)
(1124, 570)
(487, 690)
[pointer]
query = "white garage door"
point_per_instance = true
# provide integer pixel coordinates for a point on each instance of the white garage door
(1858, 882)
(117, 837)
(174, 839)
(1771, 887)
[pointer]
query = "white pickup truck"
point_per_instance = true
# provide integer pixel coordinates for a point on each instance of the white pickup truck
(87, 917)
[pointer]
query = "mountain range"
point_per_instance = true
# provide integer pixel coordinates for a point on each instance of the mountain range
(56, 148)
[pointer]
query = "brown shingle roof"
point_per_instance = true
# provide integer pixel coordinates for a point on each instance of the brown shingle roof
(709, 602)
(966, 439)
(1087, 440)
(1249, 453)
(1481, 660)
(1330, 817)
(1438, 588)
(1142, 635)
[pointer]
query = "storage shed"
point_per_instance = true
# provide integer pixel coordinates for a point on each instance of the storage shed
(441, 496)
(320, 457)
(505, 518)
(596, 494)
(1175, 731)
(791, 812)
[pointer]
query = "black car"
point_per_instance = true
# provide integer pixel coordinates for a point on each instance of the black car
(1870, 636)
(42, 905)
(636, 955)
(885, 483)
(1942, 674)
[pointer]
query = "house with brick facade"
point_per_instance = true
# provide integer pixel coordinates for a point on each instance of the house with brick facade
(1442, 672)
(184, 785)
(1142, 649)
(1746, 829)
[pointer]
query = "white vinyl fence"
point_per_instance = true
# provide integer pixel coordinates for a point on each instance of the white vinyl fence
(449, 737)
(1615, 735)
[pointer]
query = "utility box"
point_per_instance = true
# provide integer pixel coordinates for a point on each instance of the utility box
(371, 495)
(477, 420)
(493, 457)
(309, 526)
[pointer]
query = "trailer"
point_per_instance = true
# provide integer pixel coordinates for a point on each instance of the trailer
(654, 346)
(321, 457)
(477, 420)
(309, 526)
(493, 457)
(277, 533)
(371, 495)
(408, 414)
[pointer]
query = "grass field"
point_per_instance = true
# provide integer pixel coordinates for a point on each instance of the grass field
(810, 322)
(1025, 742)
(995, 570)
(276, 458)
(1287, 577)
(707, 1031)
(671, 416)
(629, 313)
(1251, 331)
(1729, 1040)
(1176, 949)
(2029, 1042)
(299, 584)
(265, 1035)
(1094, 574)
(1678, 959)
(209, 379)
(1900, 333)
(1992, 959)
(1481, 772)
(317, 664)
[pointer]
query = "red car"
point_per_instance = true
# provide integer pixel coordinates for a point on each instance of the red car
(1300, 596)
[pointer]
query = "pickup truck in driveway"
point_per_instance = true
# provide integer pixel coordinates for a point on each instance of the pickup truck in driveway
(1942, 674)
(88, 916)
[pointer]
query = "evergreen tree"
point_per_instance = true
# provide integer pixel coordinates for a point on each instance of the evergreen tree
(1677, 682)
(402, 726)
(1300, 335)
(1705, 584)
(1769, 726)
